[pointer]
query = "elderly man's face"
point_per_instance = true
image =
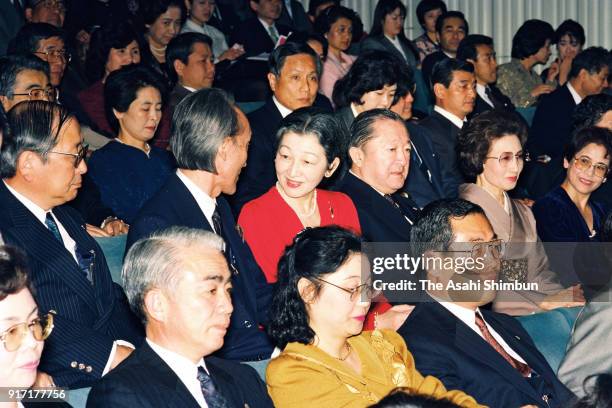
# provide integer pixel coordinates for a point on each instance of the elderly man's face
(29, 85)
(52, 51)
(384, 160)
(197, 312)
(298, 82)
(47, 11)
(232, 156)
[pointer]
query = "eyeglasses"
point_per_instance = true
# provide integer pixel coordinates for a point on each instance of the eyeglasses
(506, 158)
(583, 163)
(78, 157)
(39, 94)
(55, 55)
(480, 249)
(40, 328)
(367, 288)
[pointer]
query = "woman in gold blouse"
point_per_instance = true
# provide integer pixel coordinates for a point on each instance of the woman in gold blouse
(317, 317)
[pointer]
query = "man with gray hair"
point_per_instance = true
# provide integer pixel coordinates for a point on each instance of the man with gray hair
(178, 283)
(210, 138)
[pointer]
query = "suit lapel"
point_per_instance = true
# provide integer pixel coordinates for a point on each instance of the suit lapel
(224, 383)
(391, 48)
(186, 206)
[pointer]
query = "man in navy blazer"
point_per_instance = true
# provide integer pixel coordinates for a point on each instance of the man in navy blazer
(178, 282)
(551, 130)
(210, 145)
(41, 167)
(483, 353)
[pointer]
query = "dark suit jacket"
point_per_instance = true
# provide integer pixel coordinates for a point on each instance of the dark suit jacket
(382, 43)
(254, 37)
(89, 316)
(445, 347)
(10, 23)
(345, 115)
(299, 21)
(145, 380)
(425, 183)
(482, 106)
(174, 205)
(428, 64)
(443, 135)
(380, 221)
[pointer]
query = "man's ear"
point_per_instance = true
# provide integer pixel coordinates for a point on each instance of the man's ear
(27, 162)
(5, 102)
(28, 14)
(356, 155)
(439, 91)
(224, 150)
(331, 169)
(179, 67)
(565, 163)
(254, 5)
(118, 115)
(155, 305)
(306, 289)
(272, 81)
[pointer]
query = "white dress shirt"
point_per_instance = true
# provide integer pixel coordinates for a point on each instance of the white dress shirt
(184, 369)
(481, 90)
(206, 203)
(575, 95)
(456, 120)
(281, 108)
(267, 28)
(468, 316)
(219, 45)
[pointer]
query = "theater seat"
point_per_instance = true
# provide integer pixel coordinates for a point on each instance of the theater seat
(113, 248)
(551, 332)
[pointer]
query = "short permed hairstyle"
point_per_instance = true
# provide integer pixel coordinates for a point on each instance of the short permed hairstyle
(592, 60)
(13, 65)
(586, 136)
(530, 37)
(475, 139)
(332, 14)
(152, 9)
(13, 271)
(428, 5)
(370, 72)
(590, 111)
(314, 253)
(451, 14)
(122, 86)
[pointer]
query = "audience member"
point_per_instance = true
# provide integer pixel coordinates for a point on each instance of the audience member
(424, 183)
(133, 105)
(517, 79)
(379, 152)
(294, 76)
(491, 154)
(42, 167)
(387, 33)
(294, 16)
(569, 39)
(24, 78)
(45, 11)
(199, 13)
(178, 283)
(487, 354)
(112, 47)
(162, 21)
(478, 50)
(599, 394)
(309, 148)
(191, 67)
(316, 7)
(210, 142)
(451, 29)
(369, 84)
(23, 327)
(403, 398)
(427, 13)
(327, 360)
(336, 25)
(454, 87)
(261, 33)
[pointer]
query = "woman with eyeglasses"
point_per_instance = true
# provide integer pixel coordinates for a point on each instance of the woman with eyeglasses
(23, 329)
(317, 317)
(490, 150)
(128, 171)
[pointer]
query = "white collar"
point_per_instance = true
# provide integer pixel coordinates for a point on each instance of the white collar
(575, 95)
(193, 25)
(355, 113)
(206, 203)
(481, 90)
(450, 116)
(266, 25)
(38, 212)
(281, 108)
(190, 89)
(447, 54)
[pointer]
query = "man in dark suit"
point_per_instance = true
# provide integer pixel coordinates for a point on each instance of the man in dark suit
(285, 63)
(261, 33)
(380, 156)
(11, 19)
(210, 146)
(42, 167)
(454, 88)
(294, 16)
(178, 282)
(485, 354)
(552, 123)
(451, 28)
(478, 50)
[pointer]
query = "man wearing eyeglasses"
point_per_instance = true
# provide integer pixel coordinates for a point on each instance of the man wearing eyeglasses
(42, 168)
(483, 353)
(24, 78)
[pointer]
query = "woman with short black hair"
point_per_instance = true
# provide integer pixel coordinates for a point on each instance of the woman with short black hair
(427, 13)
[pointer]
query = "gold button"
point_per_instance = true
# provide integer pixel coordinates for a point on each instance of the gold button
(81, 366)
(88, 369)
(73, 364)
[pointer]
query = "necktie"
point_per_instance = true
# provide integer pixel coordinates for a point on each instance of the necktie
(273, 34)
(520, 367)
(213, 398)
(496, 103)
(216, 219)
(52, 226)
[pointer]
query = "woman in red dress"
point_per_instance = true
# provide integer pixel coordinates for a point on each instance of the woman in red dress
(310, 144)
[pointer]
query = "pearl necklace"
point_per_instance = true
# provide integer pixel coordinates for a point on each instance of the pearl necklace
(309, 213)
